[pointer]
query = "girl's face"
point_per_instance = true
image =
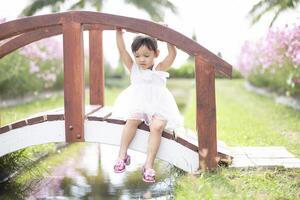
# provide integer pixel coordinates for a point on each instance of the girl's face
(144, 57)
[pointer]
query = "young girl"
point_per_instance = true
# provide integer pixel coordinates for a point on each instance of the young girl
(146, 100)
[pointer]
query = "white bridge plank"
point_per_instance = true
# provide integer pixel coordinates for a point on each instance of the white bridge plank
(26, 136)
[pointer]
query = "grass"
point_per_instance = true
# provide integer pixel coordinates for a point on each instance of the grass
(240, 184)
(247, 119)
(243, 118)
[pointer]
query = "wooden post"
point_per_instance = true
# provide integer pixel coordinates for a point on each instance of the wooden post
(96, 67)
(206, 114)
(73, 81)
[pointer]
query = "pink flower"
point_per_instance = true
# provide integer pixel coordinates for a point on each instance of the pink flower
(297, 81)
(32, 51)
(33, 68)
(274, 50)
(44, 49)
(247, 58)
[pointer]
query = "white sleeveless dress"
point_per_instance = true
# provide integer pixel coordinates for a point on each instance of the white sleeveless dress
(148, 96)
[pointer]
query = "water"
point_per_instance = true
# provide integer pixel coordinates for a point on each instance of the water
(88, 177)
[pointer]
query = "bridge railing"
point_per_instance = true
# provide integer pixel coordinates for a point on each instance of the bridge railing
(20, 32)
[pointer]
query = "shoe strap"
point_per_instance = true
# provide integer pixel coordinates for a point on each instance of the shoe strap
(120, 163)
(149, 173)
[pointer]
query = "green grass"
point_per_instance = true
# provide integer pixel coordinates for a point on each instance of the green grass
(247, 119)
(240, 184)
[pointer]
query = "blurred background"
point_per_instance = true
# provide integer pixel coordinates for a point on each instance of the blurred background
(260, 38)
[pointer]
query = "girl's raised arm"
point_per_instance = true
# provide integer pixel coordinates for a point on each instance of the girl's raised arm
(125, 57)
(168, 61)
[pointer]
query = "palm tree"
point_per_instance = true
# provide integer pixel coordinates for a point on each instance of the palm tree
(155, 8)
(277, 6)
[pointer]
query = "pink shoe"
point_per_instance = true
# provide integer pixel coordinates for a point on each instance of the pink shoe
(120, 166)
(148, 175)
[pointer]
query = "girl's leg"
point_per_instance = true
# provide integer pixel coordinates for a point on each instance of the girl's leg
(156, 129)
(128, 134)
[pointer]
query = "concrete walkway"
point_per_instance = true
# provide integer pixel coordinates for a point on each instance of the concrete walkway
(251, 156)
(273, 156)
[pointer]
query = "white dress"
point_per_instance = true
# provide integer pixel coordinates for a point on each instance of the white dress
(148, 96)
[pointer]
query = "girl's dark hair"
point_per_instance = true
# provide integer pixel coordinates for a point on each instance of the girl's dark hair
(144, 40)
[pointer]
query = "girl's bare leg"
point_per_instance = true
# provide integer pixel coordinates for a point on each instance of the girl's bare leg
(128, 134)
(156, 129)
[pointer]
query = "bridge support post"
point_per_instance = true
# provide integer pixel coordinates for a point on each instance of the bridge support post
(206, 114)
(73, 81)
(96, 67)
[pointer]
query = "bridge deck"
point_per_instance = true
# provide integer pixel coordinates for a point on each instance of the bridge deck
(97, 117)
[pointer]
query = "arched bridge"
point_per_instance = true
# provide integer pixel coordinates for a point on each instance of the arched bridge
(77, 122)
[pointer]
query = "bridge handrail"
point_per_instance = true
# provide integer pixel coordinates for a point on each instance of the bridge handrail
(40, 25)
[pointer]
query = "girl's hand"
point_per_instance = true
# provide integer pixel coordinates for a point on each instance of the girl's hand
(163, 24)
(119, 30)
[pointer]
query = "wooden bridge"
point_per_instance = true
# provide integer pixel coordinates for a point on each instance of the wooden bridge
(77, 122)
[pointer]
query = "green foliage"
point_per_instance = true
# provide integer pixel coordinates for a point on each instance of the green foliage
(117, 82)
(280, 80)
(11, 163)
(22, 159)
(114, 72)
(263, 7)
(17, 79)
(155, 8)
(118, 72)
(186, 70)
(235, 75)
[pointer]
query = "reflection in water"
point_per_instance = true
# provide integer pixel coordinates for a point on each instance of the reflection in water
(89, 177)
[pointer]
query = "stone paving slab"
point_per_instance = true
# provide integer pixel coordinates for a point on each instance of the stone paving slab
(242, 161)
(274, 156)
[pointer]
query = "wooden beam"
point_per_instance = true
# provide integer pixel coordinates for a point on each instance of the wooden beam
(27, 38)
(25, 24)
(96, 67)
(73, 81)
(206, 114)
(19, 26)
